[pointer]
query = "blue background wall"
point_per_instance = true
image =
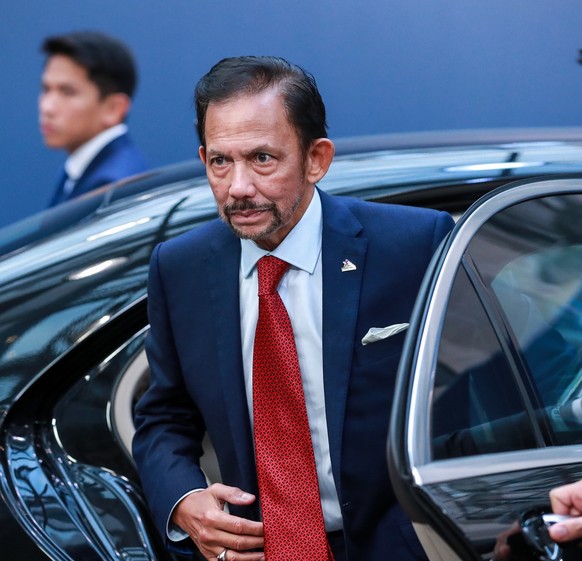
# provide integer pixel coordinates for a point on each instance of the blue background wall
(382, 66)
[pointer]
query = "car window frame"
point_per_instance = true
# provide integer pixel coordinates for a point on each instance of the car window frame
(418, 367)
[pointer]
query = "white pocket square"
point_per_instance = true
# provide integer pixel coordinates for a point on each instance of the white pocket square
(378, 333)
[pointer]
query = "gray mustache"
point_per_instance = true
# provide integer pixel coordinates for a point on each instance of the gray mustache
(245, 205)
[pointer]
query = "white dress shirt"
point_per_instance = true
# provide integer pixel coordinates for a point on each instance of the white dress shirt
(79, 160)
(301, 292)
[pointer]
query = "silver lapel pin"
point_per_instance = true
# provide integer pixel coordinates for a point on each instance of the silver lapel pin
(347, 265)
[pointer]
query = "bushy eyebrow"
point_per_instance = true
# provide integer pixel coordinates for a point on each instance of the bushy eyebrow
(262, 149)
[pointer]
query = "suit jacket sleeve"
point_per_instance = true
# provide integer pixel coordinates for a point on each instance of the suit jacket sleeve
(169, 426)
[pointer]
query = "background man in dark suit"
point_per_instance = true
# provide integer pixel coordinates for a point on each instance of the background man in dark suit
(353, 266)
(87, 86)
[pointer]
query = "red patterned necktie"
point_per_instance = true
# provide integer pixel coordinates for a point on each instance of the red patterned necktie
(289, 491)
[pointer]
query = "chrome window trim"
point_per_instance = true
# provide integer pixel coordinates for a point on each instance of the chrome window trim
(444, 471)
(424, 371)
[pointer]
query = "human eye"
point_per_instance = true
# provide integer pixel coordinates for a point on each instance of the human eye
(68, 91)
(263, 158)
(218, 161)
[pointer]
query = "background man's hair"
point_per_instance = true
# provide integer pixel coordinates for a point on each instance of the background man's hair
(109, 63)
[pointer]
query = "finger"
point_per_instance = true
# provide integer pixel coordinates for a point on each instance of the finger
(567, 499)
(232, 495)
(560, 500)
(219, 524)
(240, 542)
(567, 530)
(239, 548)
(241, 526)
(243, 556)
(217, 529)
(225, 523)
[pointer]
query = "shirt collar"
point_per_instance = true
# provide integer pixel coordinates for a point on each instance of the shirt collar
(301, 247)
(78, 161)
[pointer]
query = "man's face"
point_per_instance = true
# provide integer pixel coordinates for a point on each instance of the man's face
(71, 109)
(256, 168)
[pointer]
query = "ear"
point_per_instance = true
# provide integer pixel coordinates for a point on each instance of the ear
(115, 109)
(202, 154)
(318, 160)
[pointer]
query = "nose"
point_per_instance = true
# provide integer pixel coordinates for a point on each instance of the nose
(241, 181)
(46, 102)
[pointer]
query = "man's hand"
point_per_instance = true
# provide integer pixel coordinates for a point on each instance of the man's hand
(502, 550)
(202, 516)
(567, 499)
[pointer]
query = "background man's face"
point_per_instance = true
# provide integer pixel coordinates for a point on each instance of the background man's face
(71, 109)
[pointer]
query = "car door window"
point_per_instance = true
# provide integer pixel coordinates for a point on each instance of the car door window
(509, 372)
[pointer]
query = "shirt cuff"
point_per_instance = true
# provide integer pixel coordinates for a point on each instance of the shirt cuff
(173, 531)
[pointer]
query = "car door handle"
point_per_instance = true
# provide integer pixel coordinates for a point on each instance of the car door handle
(534, 533)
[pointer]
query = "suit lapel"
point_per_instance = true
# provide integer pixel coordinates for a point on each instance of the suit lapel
(223, 263)
(341, 296)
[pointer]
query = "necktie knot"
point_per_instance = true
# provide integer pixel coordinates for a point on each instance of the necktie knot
(271, 270)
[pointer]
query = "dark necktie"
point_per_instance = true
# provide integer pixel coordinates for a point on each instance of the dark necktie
(63, 189)
(289, 491)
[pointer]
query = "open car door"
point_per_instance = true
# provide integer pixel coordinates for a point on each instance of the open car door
(488, 413)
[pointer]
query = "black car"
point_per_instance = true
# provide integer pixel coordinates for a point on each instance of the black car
(497, 436)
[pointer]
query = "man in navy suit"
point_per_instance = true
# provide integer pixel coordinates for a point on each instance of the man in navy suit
(87, 85)
(354, 266)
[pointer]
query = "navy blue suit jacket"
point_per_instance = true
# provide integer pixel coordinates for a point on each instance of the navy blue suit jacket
(117, 160)
(194, 350)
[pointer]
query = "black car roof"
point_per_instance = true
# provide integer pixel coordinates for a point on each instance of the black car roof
(388, 162)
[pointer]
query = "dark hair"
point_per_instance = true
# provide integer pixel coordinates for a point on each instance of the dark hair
(109, 63)
(248, 75)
